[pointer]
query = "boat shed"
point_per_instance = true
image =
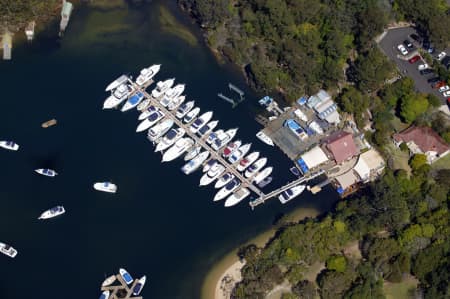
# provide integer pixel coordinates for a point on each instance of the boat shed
(312, 159)
(341, 146)
(362, 169)
(347, 180)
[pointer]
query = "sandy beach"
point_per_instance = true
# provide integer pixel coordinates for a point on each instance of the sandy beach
(227, 272)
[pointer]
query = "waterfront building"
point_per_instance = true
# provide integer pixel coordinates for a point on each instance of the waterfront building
(312, 159)
(341, 146)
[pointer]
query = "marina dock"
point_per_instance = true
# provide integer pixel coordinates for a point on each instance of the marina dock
(66, 10)
(7, 46)
(122, 291)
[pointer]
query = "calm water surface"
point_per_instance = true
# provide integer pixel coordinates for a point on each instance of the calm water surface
(160, 223)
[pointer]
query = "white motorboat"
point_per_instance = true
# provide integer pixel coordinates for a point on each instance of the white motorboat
(213, 136)
(150, 121)
(213, 173)
(184, 109)
(125, 276)
(223, 180)
(191, 115)
(193, 152)
(237, 197)
(133, 101)
(160, 129)
(109, 280)
(139, 286)
(177, 149)
(262, 175)
(255, 167)
(8, 250)
(195, 163)
(143, 105)
(227, 189)
(118, 96)
(201, 121)
(221, 141)
(264, 138)
(291, 193)
(147, 74)
(147, 112)
(209, 165)
(162, 87)
(206, 129)
(116, 83)
(174, 92)
(169, 139)
(239, 153)
(46, 172)
(9, 145)
(231, 148)
(247, 161)
(175, 103)
(104, 295)
(53, 212)
(105, 187)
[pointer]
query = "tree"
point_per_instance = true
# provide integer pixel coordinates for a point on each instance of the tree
(337, 263)
(372, 69)
(305, 290)
(417, 161)
(412, 106)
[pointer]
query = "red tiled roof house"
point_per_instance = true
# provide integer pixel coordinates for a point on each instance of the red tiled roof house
(423, 140)
(341, 145)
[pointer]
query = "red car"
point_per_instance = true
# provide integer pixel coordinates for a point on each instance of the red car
(414, 59)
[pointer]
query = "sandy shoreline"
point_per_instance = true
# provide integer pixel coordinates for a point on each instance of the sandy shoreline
(230, 266)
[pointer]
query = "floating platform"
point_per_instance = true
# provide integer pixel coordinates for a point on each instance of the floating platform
(49, 123)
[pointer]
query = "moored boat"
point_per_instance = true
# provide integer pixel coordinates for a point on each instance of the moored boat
(169, 139)
(49, 123)
(184, 109)
(109, 280)
(125, 276)
(160, 129)
(291, 193)
(223, 180)
(119, 81)
(247, 161)
(237, 197)
(231, 148)
(175, 103)
(104, 295)
(191, 115)
(133, 101)
(147, 112)
(195, 163)
(206, 129)
(162, 87)
(192, 152)
(255, 167)
(118, 96)
(177, 149)
(264, 138)
(46, 172)
(201, 121)
(150, 121)
(213, 136)
(147, 74)
(239, 153)
(9, 145)
(227, 189)
(53, 212)
(262, 175)
(143, 105)
(213, 173)
(172, 93)
(139, 286)
(221, 141)
(8, 250)
(105, 187)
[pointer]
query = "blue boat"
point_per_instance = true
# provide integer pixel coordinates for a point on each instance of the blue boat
(126, 276)
(104, 295)
(133, 101)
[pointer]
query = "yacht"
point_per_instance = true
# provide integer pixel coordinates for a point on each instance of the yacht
(195, 163)
(175, 103)
(206, 129)
(146, 113)
(255, 167)
(192, 152)
(201, 121)
(237, 197)
(105, 187)
(184, 109)
(223, 180)
(125, 276)
(227, 189)
(160, 129)
(264, 138)
(231, 148)
(116, 83)
(8, 250)
(213, 173)
(118, 96)
(265, 182)
(174, 92)
(104, 295)
(150, 121)
(143, 105)
(109, 280)
(289, 194)
(209, 165)
(191, 115)
(169, 139)
(147, 74)
(139, 286)
(262, 175)
(239, 153)
(9, 145)
(221, 141)
(53, 212)
(177, 149)
(46, 172)
(213, 136)
(133, 101)
(161, 87)
(247, 161)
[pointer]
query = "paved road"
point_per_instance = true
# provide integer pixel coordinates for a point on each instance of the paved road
(389, 44)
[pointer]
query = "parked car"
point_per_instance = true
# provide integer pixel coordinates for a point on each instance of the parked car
(444, 88)
(433, 80)
(427, 46)
(408, 44)
(414, 59)
(426, 71)
(438, 84)
(402, 49)
(446, 93)
(416, 38)
(446, 62)
(441, 55)
(423, 66)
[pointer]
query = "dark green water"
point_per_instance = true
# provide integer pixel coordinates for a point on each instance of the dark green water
(160, 223)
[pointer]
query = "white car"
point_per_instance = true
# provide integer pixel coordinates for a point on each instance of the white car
(446, 93)
(402, 49)
(423, 66)
(441, 56)
(444, 88)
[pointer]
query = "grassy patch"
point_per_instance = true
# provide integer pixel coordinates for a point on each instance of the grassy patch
(170, 25)
(399, 158)
(443, 163)
(400, 290)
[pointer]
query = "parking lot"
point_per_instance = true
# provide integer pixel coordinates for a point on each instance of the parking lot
(389, 44)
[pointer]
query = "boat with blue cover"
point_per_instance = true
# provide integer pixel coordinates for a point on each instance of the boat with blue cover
(139, 286)
(104, 295)
(53, 212)
(133, 101)
(46, 172)
(125, 276)
(9, 145)
(106, 187)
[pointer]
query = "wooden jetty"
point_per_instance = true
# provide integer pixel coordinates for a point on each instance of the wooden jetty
(29, 30)
(235, 89)
(7, 46)
(122, 291)
(66, 10)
